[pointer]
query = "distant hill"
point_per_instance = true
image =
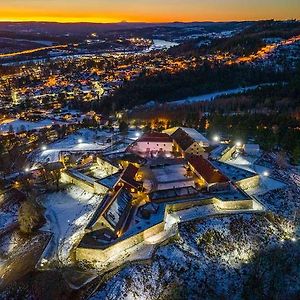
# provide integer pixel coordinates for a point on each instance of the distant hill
(84, 28)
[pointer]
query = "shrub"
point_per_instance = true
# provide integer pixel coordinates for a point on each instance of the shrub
(30, 216)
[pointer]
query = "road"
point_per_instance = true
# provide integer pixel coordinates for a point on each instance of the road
(30, 51)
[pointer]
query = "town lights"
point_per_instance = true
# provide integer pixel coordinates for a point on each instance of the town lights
(216, 138)
(80, 141)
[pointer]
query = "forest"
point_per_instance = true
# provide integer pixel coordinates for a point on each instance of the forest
(165, 87)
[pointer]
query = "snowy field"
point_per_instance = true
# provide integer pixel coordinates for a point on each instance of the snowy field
(18, 125)
(210, 96)
(67, 214)
(161, 45)
(82, 140)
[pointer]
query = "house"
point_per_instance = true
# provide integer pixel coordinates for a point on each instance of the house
(209, 176)
(151, 144)
(128, 180)
(189, 141)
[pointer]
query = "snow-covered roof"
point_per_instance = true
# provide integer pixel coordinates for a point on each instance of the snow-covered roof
(232, 172)
(110, 181)
(116, 213)
(82, 176)
(251, 147)
(218, 151)
(193, 133)
(165, 195)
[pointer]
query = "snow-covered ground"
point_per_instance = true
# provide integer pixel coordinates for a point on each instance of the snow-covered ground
(96, 172)
(279, 189)
(10, 243)
(285, 201)
(212, 96)
(18, 125)
(67, 214)
(8, 212)
(208, 97)
(207, 257)
(7, 218)
(267, 182)
(81, 140)
(161, 45)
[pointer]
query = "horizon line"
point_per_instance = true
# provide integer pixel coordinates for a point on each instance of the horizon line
(142, 22)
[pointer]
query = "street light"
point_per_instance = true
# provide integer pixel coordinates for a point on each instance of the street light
(137, 134)
(238, 144)
(44, 148)
(216, 138)
(266, 173)
(80, 141)
(27, 170)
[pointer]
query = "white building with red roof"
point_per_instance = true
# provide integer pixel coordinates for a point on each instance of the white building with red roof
(153, 143)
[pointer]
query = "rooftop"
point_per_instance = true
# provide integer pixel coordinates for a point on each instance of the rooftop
(129, 174)
(185, 137)
(117, 212)
(110, 181)
(208, 171)
(232, 172)
(155, 137)
(167, 195)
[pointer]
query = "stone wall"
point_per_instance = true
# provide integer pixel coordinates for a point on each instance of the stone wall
(100, 189)
(225, 205)
(248, 183)
(107, 166)
(227, 155)
(95, 188)
(67, 177)
(96, 256)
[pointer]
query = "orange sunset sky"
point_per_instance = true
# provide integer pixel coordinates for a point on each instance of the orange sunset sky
(146, 10)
